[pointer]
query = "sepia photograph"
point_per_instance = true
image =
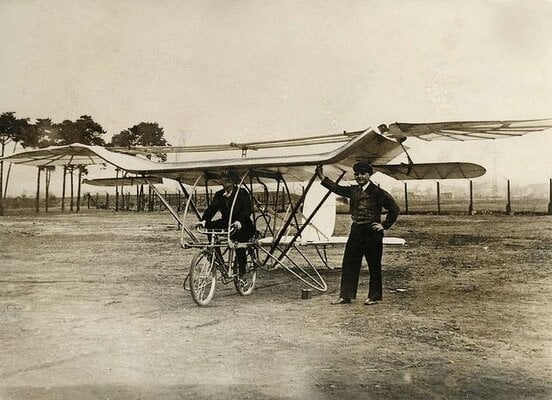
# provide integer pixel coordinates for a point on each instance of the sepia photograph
(262, 200)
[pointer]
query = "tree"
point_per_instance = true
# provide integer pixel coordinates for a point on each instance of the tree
(11, 129)
(84, 130)
(42, 133)
(143, 134)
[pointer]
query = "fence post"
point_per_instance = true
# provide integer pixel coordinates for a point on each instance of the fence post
(47, 173)
(509, 204)
(470, 207)
(37, 205)
(405, 198)
(116, 190)
(550, 198)
(63, 188)
(438, 198)
(79, 188)
(71, 204)
(107, 201)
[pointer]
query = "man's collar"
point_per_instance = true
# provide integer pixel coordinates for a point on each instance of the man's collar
(228, 194)
(366, 185)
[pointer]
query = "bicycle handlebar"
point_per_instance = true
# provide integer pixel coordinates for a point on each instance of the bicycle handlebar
(217, 232)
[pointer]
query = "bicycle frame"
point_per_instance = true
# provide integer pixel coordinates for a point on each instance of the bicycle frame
(215, 246)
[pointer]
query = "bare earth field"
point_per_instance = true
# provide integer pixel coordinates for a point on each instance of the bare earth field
(92, 307)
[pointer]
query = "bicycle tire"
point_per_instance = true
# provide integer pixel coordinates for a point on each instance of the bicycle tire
(202, 278)
(246, 284)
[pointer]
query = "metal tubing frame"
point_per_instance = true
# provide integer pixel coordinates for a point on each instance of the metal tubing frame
(238, 187)
(323, 255)
(188, 196)
(294, 211)
(317, 285)
(264, 213)
(184, 228)
(310, 217)
(313, 280)
(276, 204)
(297, 225)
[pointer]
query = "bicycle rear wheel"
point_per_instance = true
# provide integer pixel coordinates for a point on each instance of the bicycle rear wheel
(246, 283)
(202, 278)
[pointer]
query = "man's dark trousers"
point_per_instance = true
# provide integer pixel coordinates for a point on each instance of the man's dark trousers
(363, 241)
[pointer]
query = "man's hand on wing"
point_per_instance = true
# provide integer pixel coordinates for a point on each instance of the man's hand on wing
(320, 172)
(201, 224)
(237, 225)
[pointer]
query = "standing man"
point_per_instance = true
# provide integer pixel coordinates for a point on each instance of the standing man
(240, 218)
(366, 235)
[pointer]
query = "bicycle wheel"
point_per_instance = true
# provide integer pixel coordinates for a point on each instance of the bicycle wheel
(246, 283)
(202, 278)
(186, 283)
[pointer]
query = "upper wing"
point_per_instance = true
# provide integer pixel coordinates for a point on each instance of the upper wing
(365, 145)
(465, 130)
(368, 145)
(243, 146)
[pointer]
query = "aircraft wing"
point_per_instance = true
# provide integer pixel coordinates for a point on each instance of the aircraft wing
(124, 181)
(379, 148)
(78, 154)
(449, 170)
(368, 145)
(465, 130)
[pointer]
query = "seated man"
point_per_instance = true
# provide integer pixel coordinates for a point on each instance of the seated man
(240, 219)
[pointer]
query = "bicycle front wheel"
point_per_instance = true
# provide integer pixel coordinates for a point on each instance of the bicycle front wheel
(203, 278)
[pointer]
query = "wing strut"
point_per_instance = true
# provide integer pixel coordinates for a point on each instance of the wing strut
(188, 196)
(400, 140)
(314, 279)
(173, 212)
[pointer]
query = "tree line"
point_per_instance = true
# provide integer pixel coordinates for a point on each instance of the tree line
(21, 132)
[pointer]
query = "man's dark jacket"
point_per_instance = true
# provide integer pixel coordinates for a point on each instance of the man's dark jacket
(242, 212)
(366, 205)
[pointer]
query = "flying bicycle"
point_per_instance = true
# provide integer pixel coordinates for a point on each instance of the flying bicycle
(282, 230)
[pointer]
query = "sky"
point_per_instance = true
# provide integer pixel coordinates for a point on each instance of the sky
(218, 72)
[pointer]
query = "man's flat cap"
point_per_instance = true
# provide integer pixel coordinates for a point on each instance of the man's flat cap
(229, 174)
(363, 167)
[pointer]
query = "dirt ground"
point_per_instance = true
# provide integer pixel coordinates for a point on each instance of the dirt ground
(92, 307)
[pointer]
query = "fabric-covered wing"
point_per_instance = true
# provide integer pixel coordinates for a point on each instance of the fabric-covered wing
(78, 154)
(465, 130)
(126, 181)
(367, 146)
(452, 170)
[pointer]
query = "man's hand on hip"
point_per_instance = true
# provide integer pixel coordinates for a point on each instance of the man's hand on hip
(377, 227)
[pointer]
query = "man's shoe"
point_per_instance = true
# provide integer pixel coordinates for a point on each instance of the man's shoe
(370, 302)
(341, 300)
